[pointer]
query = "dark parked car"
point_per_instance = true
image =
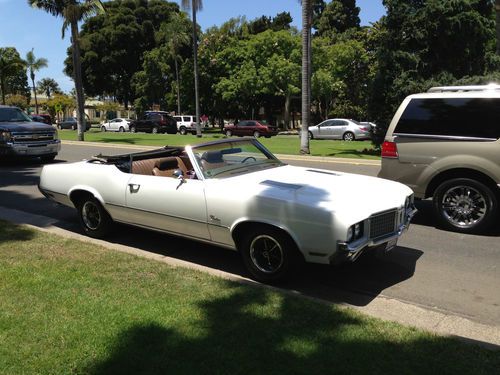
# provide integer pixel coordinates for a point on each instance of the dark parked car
(70, 123)
(21, 137)
(46, 119)
(251, 127)
(154, 122)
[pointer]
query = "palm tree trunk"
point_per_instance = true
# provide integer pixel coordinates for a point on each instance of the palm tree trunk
(77, 77)
(34, 91)
(286, 114)
(178, 87)
(196, 93)
(497, 11)
(306, 77)
(2, 87)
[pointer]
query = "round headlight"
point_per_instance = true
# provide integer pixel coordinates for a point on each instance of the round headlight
(357, 230)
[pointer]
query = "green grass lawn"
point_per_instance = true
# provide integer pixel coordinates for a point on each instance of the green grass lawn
(68, 307)
(282, 144)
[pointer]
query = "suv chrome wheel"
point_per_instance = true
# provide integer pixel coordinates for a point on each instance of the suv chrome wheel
(465, 205)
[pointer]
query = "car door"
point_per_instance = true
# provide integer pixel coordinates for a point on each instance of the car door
(168, 204)
(239, 128)
(116, 124)
(338, 128)
(251, 127)
(325, 130)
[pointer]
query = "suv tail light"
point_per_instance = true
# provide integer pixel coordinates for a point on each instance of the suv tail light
(390, 150)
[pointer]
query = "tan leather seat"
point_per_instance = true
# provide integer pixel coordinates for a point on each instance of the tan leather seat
(166, 167)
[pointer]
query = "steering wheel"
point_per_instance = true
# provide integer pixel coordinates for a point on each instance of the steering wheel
(247, 158)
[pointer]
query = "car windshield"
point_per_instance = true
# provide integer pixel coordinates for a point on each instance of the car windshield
(13, 115)
(230, 158)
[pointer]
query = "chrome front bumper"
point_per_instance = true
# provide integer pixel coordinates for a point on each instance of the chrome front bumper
(351, 251)
(30, 148)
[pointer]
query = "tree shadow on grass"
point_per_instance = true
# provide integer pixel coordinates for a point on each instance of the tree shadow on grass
(251, 331)
(131, 141)
(14, 233)
(356, 153)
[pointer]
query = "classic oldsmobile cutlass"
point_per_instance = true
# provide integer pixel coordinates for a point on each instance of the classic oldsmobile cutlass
(234, 193)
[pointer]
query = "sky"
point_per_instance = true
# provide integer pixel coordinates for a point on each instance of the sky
(25, 28)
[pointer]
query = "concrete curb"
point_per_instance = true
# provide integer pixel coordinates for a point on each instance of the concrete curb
(441, 323)
(323, 159)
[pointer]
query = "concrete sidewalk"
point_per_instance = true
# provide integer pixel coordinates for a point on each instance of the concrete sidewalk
(440, 322)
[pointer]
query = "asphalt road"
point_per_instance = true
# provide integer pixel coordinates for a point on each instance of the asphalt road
(435, 269)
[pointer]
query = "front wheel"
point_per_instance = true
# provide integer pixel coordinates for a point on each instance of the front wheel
(229, 133)
(133, 129)
(122, 129)
(73, 127)
(269, 255)
(182, 130)
(311, 136)
(154, 130)
(103, 129)
(47, 158)
(256, 134)
(465, 205)
(348, 137)
(95, 221)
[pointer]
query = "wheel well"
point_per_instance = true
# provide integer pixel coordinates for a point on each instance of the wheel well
(244, 227)
(78, 195)
(460, 173)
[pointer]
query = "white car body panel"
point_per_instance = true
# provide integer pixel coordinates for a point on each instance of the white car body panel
(311, 205)
(114, 125)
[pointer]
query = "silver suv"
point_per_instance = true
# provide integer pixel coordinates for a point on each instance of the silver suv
(445, 144)
(339, 128)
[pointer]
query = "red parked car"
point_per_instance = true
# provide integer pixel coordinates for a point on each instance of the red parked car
(251, 127)
(46, 119)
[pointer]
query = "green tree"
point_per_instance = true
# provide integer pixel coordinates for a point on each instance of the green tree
(34, 65)
(11, 68)
(48, 86)
(59, 104)
(338, 17)
(72, 12)
(175, 36)
(17, 100)
(195, 6)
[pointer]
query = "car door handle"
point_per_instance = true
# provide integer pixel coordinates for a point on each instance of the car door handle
(134, 188)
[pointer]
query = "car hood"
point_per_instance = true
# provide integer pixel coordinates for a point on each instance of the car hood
(25, 127)
(353, 196)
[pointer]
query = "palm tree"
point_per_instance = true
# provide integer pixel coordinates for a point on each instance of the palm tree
(33, 64)
(10, 64)
(48, 86)
(195, 6)
(497, 11)
(306, 76)
(73, 11)
(175, 35)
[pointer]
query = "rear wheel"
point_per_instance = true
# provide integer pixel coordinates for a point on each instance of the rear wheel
(269, 254)
(133, 129)
(465, 205)
(256, 134)
(348, 137)
(122, 129)
(95, 221)
(229, 133)
(103, 128)
(73, 127)
(154, 130)
(182, 130)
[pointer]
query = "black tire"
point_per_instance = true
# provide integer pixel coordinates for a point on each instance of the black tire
(465, 205)
(311, 136)
(265, 244)
(73, 127)
(155, 130)
(229, 133)
(348, 136)
(94, 219)
(182, 130)
(47, 158)
(256, 134)
(133, 129)
(193, 133)
(103, 129)
(121, 129)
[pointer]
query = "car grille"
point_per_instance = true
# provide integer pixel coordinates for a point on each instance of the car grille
(32, 137)
(383, 224)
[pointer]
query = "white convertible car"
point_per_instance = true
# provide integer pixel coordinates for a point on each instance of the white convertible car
(236, 194)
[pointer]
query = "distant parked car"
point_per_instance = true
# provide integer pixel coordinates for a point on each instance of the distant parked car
(70, 123)
(155, 122)
(186, 124)
(116, 125)
(251, 127)
(346, 129)
(46, 119)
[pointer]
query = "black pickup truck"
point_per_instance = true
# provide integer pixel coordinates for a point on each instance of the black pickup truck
(154, 122)
(22, 137)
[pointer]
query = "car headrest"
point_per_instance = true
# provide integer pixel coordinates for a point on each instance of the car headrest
(167, 163)
(212, 157)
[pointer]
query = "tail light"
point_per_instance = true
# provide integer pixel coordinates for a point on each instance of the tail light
(364, 128)
(390, 150)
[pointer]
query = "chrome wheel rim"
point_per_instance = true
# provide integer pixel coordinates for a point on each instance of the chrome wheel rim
(266, 254)
(256, 134)
(91, 215)
(348, 137)
(464, 206)
(155, 130)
